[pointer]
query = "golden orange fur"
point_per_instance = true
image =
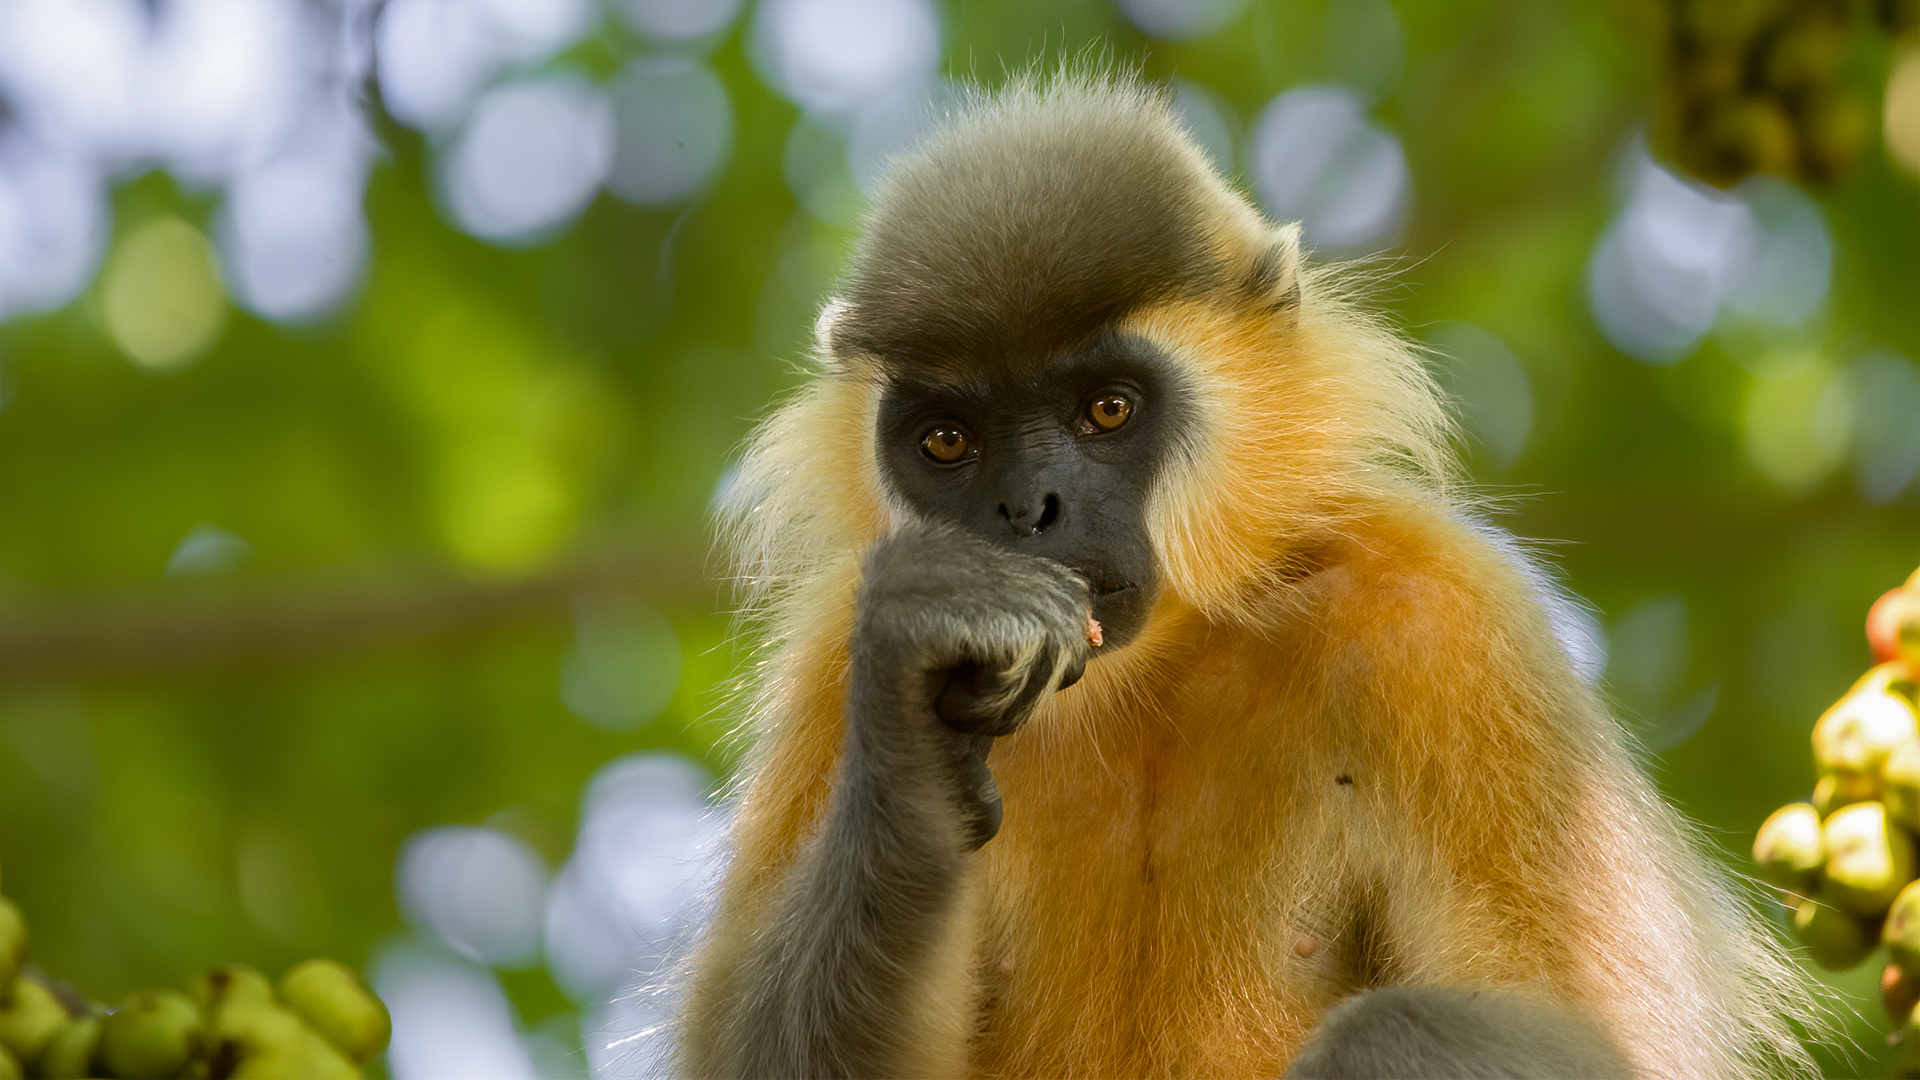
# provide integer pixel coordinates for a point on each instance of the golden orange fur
(1347, 749)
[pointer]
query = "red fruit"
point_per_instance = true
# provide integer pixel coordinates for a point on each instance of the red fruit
(1883, 624)
(1898, 993)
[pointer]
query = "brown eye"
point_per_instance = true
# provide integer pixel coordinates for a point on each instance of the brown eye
(947, 445)
(1110, 412)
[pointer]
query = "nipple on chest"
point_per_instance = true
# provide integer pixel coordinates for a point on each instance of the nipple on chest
(1303, 946)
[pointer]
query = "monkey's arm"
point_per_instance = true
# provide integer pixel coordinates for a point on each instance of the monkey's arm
(1425, 1033)
(860, 966)
(1502, 836)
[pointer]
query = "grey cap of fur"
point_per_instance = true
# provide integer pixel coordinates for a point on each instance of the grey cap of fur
(1028, 222)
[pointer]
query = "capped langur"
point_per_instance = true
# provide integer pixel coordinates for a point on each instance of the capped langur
(1142, 696)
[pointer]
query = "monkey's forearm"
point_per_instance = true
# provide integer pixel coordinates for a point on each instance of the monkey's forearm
(859, 942)
(860, 964)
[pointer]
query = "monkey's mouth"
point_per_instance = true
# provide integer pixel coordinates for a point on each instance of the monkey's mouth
(1120, 610)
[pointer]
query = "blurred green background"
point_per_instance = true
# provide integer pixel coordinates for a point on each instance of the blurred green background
(284, 582)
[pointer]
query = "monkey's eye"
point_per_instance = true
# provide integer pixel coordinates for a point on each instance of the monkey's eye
(1110, 412)
(947, 445)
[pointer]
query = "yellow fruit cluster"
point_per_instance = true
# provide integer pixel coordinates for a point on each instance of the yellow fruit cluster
(320, 1021)
(1753, 86)
(1845, 860)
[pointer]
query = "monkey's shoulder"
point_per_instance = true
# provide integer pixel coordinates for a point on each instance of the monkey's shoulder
(1424, 618)
(1415, 570)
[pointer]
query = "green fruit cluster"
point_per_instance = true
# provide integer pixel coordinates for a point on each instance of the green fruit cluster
(318, 1022)
(1753, 86)
(1844, 861)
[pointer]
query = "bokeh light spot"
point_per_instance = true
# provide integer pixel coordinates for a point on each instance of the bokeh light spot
(53, 214)
(530, 157)
(70, 68)
(1797, 423)
(479, 891)
(1647, 667)
(1648, 656)
(207, 550)
(1784, 277)
(224, 83)
(451, 1021)
(1680, 255)
(678, 20)
(833, 56)
(675, 126)
(536, 29)
(1901, 115)
(1318, 160)
(1181, 20)
(1661, 271)
(293, 237)
(435, 56)
(819, 175)
(623, 666)
(555, 1044)
(1886, 433)
(162, 297)
(1209, 119)
(1365, 46)
(891, 124)
(647, 850)
(1489, 387)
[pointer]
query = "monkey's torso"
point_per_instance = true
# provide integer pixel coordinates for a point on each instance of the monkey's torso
(1116, 935)
(1229, 827)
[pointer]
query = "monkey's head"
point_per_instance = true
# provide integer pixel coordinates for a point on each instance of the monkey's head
(1063, 332)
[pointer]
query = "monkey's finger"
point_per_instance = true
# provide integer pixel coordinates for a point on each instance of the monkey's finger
(980, 796)
(1076, 667)
(992, 700)
(962, 704)
(1020, 706)
(1056, 668)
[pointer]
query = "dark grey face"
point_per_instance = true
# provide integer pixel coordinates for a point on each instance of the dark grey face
(1054, 460)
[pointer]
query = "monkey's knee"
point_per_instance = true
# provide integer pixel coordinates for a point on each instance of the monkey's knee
(1432, 1033)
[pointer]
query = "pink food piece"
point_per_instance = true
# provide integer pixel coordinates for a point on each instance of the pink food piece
(1094, 637)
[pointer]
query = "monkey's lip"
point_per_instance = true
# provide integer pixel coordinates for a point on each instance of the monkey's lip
(1108, 603)
(1112, 609)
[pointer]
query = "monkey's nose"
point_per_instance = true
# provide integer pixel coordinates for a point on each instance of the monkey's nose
(1026, 522)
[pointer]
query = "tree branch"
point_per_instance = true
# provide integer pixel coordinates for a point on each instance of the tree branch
(293, 624)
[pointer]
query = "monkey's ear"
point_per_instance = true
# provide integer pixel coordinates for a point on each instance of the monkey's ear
(1274, 278)
(832, 314)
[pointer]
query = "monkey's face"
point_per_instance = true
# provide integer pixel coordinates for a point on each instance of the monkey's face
(1055, 459)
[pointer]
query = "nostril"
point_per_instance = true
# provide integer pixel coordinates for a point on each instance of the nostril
(1025, 522)
(1049, 511)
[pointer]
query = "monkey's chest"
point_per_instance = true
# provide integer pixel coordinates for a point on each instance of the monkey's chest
(1159, 929)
